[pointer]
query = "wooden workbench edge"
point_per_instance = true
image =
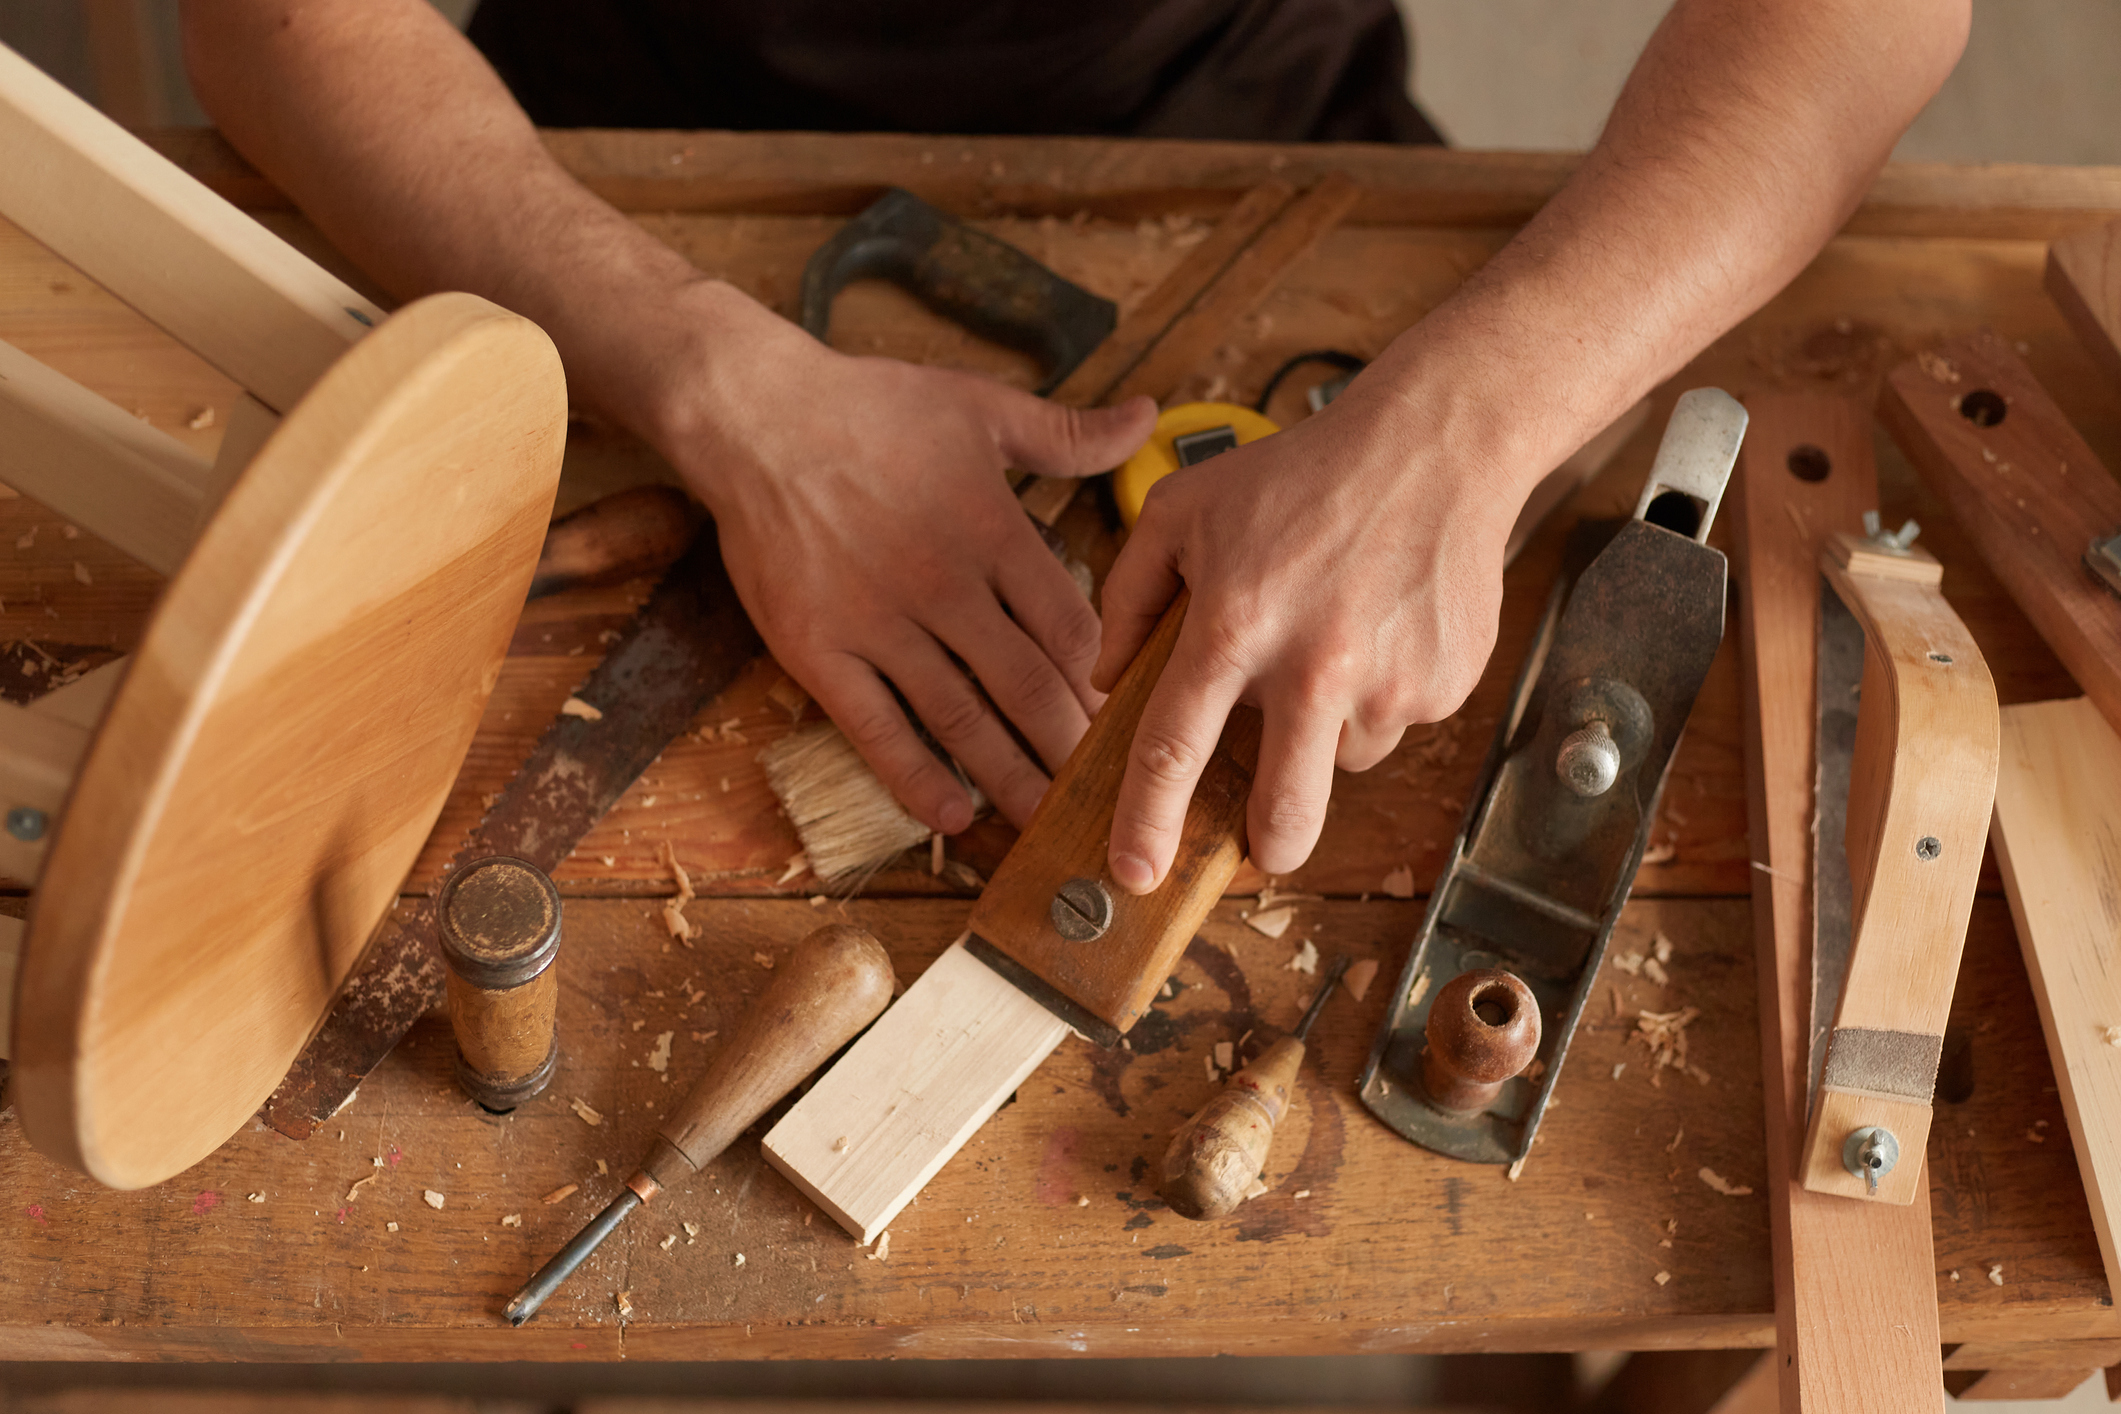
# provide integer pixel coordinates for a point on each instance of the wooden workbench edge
(1126, 179)
(1031, 1339)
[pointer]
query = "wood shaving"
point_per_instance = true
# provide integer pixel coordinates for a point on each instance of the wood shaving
(935, 856)
(1358, 977)
(1664, 1034)
(81, 573)
(200, 420)
(23, 542)
(1208, 1064)
(798, 866)
(763, 959)
(1081, 1201)
(1995, 1274)
(1303, 1192)
(789, 696)
(1630, 963)
(659, 1058)
(1515, 1170)
(963, 875)
(602, 1169)
(624, 1301)
(1305, 960)
(692, 1232)
(589, 1116)
(512, 1220)
(1654, 970)
(1400, 882)
(390, 1227)
(1258, 1187)
(562, 1193)
(1673, 1147)
(1661, 1278)
(2113, 1035)
(576, 707)
(355, 1191)
(1419, 990)
(883, 1247)
(674, 919)
(2036, 1136)
(1723, 1185)
(1663, 948)
(433, 1199)
(1660, 853)
(1225, 1053)
(255, 1197)
(1273, 922)
(1618, 1069)
(839, 1145)
(705, 1035)
(739, 1259)
(669, 1242)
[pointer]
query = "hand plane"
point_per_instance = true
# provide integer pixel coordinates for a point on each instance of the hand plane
(1517, 926)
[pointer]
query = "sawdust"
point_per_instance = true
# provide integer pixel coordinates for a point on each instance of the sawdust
(255, 1197)
(669, 1242)
(763, 959)
(674, 919)
(576, 707)
(1358, 977)
(739, 1259)
(659, 1058)
(623, 1300)
(1630, 963)
(1937, 366)
(1654, 970)
(433, 1199)
(692, 1232)
(512, 1220)
(1663, 1034)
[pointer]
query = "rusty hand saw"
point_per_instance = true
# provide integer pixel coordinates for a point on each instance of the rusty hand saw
(1517, 926)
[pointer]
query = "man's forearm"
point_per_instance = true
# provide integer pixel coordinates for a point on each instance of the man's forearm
(1748, 132)
(400, 142)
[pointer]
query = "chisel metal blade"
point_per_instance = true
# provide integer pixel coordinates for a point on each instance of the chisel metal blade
(1839, 689)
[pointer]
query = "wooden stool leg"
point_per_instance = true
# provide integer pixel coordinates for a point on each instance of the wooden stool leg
(246, 301)
(41, 746)
(86, 458)
(10, 955)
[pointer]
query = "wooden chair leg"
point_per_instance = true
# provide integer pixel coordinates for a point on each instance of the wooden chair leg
(213, 278)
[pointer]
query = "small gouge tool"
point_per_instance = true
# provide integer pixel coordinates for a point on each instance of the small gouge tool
(1216, 1155)
(835, 982)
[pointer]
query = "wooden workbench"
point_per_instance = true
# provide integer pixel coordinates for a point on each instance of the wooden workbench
(1042, 1237)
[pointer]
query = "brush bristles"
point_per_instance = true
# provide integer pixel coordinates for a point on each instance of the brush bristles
(847, 820)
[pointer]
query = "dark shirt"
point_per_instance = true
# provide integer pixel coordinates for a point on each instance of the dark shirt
(1266, 70)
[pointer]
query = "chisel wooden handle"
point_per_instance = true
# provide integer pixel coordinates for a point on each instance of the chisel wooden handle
(639, 531)
(835, 982)
(1216, 1156)
(1117, 973)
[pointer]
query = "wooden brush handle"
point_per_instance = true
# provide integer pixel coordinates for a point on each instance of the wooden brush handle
(1116, 976)
(1216, 1156)
(835, 982)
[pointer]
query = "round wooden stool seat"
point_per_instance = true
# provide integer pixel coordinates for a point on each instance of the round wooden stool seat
(282, 741)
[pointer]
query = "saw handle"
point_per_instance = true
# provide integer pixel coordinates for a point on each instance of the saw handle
(836, 982)
(638, 531)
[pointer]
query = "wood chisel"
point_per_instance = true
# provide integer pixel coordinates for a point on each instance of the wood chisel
(1216, 1156)
(830, 987)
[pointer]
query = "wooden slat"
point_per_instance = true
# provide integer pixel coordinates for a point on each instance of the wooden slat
(2015, 1385)
(2028, 491)
(831, 174)
(2033, 1355)
(2084, 280)
(1855, 1288)
(128, 483)
(2057, 835)
(206, 273)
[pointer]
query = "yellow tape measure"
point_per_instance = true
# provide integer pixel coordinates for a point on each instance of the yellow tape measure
(1185, 435)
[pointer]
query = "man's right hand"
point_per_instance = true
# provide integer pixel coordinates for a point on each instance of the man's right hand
(868, 526)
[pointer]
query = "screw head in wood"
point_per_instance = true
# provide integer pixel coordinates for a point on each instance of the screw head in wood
(1928, 847)
(27, 823)
(1082, 910)
(1870, 1154)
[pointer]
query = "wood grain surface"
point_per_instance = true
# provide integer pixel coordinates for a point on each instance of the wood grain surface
(1394, 1249)
(283, 739)
(2084, 281)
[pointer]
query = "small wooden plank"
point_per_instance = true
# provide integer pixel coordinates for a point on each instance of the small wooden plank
(1855, 1289)
(1972, 1386)
(2057, 823)
(212, 277)
(2028, 491)
(2083, 278)
(911, 1091)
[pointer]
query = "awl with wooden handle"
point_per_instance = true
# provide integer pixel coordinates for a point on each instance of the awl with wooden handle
(1215, 1156)
(1054, 944)
(835, 982)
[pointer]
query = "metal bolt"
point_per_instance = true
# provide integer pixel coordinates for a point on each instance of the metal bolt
(1589, 760)
(1894, 542)
(27, 823)
(1082, 910)
(1870, 1154)
(1928, 847)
